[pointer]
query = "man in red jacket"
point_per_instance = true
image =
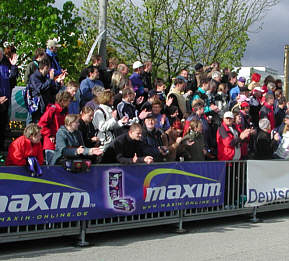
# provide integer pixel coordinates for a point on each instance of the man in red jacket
(229, 139)
(27, 145)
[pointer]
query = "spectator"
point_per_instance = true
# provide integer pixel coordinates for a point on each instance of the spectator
(268, 79)
(51, 121)
(93, 103)
(73, 89)
(221, 99)
(152, 137)
(236, 90)
(128, 148)
(199, 74)
(87, 85)
(255, 81)
(86, 128)
(112, 66)
(176, 95)
(8, 71)
(10, 53)
(172, 139)
(282, 151)
(27, 145)
(192, 147)
(51, 53)
(215, 81)
(43, 88)
(152, 96)
(280, 112)
(229, 140)
(96, 62)
(267, 110)
(265, 146)
(105, 119)
(136, 80)
(69, 142)
(39, 55)
(172, 114)
(117, 82)
(147, 76)
(255, 105)
(162, 121)
(160, 88)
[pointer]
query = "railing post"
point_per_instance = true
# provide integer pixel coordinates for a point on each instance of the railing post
(82, 242)
(180, 226)
(254, 219)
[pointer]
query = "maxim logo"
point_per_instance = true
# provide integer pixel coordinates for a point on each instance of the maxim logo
(190, 191)
(183, 191)
(47, 201)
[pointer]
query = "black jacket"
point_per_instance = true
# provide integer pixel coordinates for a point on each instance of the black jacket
(264, 146)
(123, 149)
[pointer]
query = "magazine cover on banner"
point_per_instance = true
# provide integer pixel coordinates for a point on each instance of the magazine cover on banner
(107, 191)
(267, 182)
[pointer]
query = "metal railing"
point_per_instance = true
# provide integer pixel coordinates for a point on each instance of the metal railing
(234, 200)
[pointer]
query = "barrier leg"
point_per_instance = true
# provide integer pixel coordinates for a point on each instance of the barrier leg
(180, 226)
(254, 219)
(82, 242)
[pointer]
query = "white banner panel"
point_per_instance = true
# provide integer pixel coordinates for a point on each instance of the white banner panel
(18, 110)
(267, 182)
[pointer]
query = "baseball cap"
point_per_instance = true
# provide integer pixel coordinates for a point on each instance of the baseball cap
(228, 114)
(244, 104)
(52, 43)
(181, 78)
(242, 79)
(137, 65)
(150, 116)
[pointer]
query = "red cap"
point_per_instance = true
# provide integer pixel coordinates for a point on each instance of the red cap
(245, 104)
(256, 77)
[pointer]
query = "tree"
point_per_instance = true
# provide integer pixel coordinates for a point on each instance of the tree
(175, 34)
(29, 24)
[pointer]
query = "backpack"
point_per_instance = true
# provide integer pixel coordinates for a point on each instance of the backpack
(31, 103)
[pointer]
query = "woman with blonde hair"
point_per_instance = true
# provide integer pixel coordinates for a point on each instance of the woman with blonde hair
(105, 119)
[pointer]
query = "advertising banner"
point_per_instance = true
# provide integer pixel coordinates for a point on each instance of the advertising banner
(267, 182)
(107, 191)
(18, 109)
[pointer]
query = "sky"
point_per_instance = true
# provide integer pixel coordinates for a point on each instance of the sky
(265, 48)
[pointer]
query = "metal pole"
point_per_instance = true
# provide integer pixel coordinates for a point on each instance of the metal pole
(286, 71)
(82, 242)
(180, 226)
(101, 28)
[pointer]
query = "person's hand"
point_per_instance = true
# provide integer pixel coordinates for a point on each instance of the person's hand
(253, 131)
(114, 114)
(144, 113)
(179, 140)
(134, 159)
(95, 139)
(80, 150)
(189, 92)
(139, 100)
(277, 136)
(146, 89)
(169, 101)
(245, 134)
(60, 78)
(51, 74)
(14, 59)
(148, 159)
(214, 108)
(95, 151)
(52, 139)
(64, 71)
(163, 120)
(3, 99)
(124, 120)
(190, 142)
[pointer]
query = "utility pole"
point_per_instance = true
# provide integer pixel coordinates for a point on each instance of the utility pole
(286, 71)
(101, 28)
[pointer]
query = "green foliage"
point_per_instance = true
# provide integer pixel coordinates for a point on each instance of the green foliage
(29, 24)
(176, 34)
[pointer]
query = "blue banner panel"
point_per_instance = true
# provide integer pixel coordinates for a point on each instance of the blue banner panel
(107, 191)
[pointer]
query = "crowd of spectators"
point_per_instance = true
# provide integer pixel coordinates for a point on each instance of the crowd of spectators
(110, 116)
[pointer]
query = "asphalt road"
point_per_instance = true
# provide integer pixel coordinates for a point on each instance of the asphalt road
(219, 239)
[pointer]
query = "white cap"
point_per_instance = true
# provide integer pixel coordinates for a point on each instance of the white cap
(228, 114)
(137, 64)
(52, 43)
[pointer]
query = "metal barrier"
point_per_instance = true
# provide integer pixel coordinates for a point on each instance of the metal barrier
(235, 197)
